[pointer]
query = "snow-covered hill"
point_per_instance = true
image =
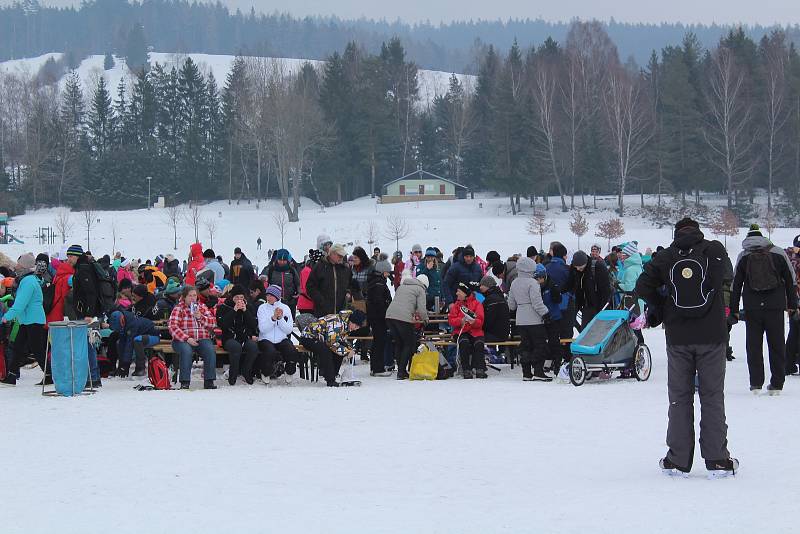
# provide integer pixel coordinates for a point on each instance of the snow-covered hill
(431, 83)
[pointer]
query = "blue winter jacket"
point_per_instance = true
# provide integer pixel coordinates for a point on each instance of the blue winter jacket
(28, 307)
(457, 273)
(129, 326)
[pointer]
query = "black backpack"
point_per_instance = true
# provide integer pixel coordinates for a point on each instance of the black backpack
(48, 297)
(106, 288)
(690, 286)
(761, 273)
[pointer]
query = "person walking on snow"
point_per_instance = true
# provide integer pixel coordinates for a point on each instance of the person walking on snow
(765, 283)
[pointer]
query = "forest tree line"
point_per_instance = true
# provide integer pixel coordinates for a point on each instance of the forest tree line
(561, 118)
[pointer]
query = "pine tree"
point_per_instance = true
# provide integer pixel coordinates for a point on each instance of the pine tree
(100, 119)
(72, 135)
(193, 115)
(136, 52)
(108, 61)
(233, 102)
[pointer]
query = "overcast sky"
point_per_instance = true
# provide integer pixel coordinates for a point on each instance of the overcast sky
(705, 11)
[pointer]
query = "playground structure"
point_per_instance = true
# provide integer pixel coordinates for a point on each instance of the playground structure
(46, 235)
(5, 237)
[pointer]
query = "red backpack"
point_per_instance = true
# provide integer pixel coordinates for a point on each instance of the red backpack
(158, 373)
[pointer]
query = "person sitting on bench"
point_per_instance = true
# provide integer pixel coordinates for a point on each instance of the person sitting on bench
(325, 337)
(466, 318)
(237, 320)
(275, 323)
(190, 325)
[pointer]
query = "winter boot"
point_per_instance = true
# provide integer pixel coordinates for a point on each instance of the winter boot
(10, 380)
(672, 470)
(209, 384)
(527, 374)
(755, 390)
(140, 368)
(722, 468)
(184, 385)
(540, 376)
(481, 373)
(332, 384)
(123, 370)
(773, 391)
(467, 373)
(265, 379)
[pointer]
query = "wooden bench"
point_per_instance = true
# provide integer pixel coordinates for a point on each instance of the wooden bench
(308, 366)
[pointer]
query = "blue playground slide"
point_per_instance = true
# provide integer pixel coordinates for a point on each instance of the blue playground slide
(12, 238)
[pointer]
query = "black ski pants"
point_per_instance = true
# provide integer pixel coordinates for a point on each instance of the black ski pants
(533, 346)
(759, 323)
(376, 360)
(405, 343)
(31, 340)
(239, 365)
(329, 362)
(471, 353)
(270, 352)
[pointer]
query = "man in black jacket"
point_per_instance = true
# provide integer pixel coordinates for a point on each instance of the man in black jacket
(329, 282)
(496, 315)
(765, 283)
(239, 326)
(692, 270)
(241, 270)
(85, 285)
(589, 281)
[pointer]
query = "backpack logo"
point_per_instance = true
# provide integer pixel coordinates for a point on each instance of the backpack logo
(689, 287)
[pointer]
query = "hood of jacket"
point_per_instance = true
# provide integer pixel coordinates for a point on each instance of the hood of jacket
(65, 269)
(526, 267)
(196, 250)
(688, 238)
(633, 260)
(412, 282)
(756, 242)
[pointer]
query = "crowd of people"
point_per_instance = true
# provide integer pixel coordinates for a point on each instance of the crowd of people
(331, 296)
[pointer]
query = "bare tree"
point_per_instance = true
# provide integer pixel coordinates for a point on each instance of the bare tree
(546, 120)
(397, 228)
(725, 224)
(193, 216)
(372, 232)
(211, 228)
(775, 107)
(538, 224)
(281, 223)
(578, 225)
(770, 221)
(728, 132)
(114, 232)
(572, 103)
(63, 223)
(89, 217)
(609, 229)
(172, 216)
(629, 126)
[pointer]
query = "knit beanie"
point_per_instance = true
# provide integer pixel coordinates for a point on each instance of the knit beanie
(124, 284)
(531, 252)
(579, 259)
(75, 250)
(468, 251)
(423, 279)
(488, 282)
(754, 231)
(430, 252)
(540, 272)
(630, 248)
(383, 265)
(464, 287)
(275, 291)
(796, 241)
(140, 291)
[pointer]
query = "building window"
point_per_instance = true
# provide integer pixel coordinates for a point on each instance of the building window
(421, 189)
(402, 189)
(441, 189)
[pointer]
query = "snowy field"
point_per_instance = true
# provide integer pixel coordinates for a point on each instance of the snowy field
(497, 455)
(431, 83)
(484, 222)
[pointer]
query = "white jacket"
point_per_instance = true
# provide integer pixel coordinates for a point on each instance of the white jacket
(274, 331)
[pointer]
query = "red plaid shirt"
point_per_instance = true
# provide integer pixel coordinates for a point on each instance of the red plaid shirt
(183, 325)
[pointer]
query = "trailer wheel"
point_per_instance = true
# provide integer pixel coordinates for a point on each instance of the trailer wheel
(642, 363)
(577, 371)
